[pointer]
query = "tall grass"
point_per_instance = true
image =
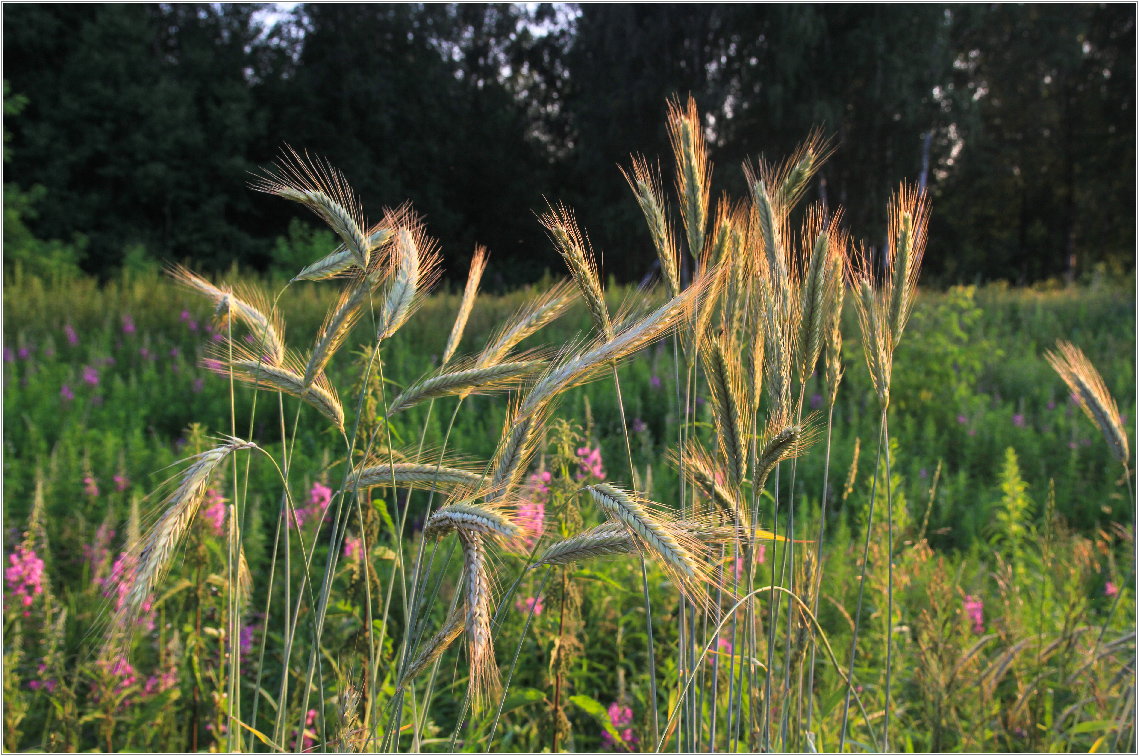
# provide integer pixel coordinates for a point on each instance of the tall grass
(495, 519)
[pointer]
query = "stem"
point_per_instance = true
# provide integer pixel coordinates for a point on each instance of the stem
(861, 588)
(889, 584)
(558, 674)
(819, 564)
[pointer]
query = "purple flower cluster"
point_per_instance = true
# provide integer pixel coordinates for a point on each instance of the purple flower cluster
(975, 608)
(90, 486)
(532, 512)
(589, 463)
(24, 575)
(319, 497)
(528, 603)
(40, 683)
(353, 547)
(620, 716)
(215, 512)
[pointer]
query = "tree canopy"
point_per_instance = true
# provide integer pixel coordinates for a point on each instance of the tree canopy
(144, 124)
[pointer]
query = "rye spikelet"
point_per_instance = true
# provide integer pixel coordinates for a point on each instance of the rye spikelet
(800, 167)
(530, 317)
(157, 548)
(286, 378)
(604, 540)
(249, 308)
(723, 372)
(877, 341)
(581, 366)
(322, 189)
(341, 259)
(781, 441)
(338, 323)
(434, 647)
(416, 270)
(465, 382)
(693, 172)
(490, 522)
(832, 326)
(574, 249)
(513, 457)
(484, 671)
(779, 331)
(410, 475)
(650, 528)
(645, 184)
(908, 218)
(1087, 386)
(816, 290)
(478, 265)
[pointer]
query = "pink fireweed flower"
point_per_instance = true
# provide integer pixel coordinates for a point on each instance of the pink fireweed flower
(532, 512)
(66, 393)
(90, 375)
(309, 735)
(96, 553)
(589, 464)
(319, 497)
(655, 382)
(1018, 420)
(184, 316)
(72, 336)
(128, 324)
(246, 639)
(8, 355)
(24, 353)
(121, 482)
(353, 547)
(121, 673)
(528, 603)
(620, 716)
(724, 646)
(638, 425)
(193, 325)
(216, 511)
(975, 608)
(37, 684)
(91, 486)
(1111, 590)
(24, 575)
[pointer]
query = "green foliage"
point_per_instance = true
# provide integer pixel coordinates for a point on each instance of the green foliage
(303, 244)
(1012, 527)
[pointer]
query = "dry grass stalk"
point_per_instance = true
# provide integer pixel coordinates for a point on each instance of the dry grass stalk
(322, 189)
(574, 249)
(338, 323)
(466, 517)
(157, 548)
(286, 378)
(412, 475)
(478, 265)
(530, 317)
(604, 540)
(416, 270)
(693, 174)
(434, 648)
(725, 382)
(645, 183)
(1087, 386)
(465, 382)
(250, 308)
(483, 669)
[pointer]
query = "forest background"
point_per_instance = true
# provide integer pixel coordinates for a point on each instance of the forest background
(133, 129)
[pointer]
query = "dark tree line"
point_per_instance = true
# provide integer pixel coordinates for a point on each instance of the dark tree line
(143, 123)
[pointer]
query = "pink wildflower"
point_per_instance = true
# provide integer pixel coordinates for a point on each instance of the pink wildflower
(66, 393)
(528, 603)
(121, 670)
(25, 575)
(589, 464)
(246, 639)
(91, 486)
(215, 512)
(128, 324)
(8, 355)
(975, 607)
(72, 337)
(1018, 420)
(1111, 590)
(96, 553)
(37, 684)
(655, 382)
(319, 497)
(620, 716)
(90, 375)
(121, 482)
(353, 547)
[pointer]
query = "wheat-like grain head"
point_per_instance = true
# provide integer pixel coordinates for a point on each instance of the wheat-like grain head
(248, 306)
(465, 381)
(338, 323)
(324, 190)
(798, 169)
(530, 318)
(604, 540)
(1087, 386)
(434, 647)
(288, 378)
(342, 260)
(156, 550)
(412, 475)
(478, 265)
(416, 271)
(492, 522)
(877, 340)
(832, 322)
(721, 366)
(693, 171)
(710, 477)
(908, 220)
(483, 669)
(815, 290)
(575, 250)
(646, 185)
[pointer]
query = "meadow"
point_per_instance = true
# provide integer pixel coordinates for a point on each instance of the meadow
(300, 610)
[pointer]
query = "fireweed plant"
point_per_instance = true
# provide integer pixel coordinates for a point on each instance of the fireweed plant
(750, 307)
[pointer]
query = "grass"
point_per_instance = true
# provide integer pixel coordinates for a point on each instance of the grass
(1001, 622)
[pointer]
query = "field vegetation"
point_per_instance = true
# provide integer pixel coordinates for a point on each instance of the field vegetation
(783, 500)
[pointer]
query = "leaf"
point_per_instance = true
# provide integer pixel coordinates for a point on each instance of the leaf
(521, 698)
(1082, 727)
(262, 737)
(598, 712)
